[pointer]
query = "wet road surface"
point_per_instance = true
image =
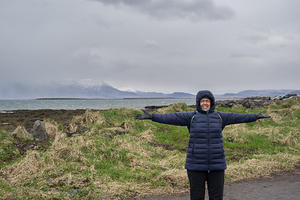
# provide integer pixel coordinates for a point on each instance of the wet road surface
(279, 187)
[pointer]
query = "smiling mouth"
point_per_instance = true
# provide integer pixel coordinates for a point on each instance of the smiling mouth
(204, 107)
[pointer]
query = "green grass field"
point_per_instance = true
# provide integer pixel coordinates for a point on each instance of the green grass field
(116, 156)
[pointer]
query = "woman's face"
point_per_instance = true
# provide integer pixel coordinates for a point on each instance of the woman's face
(205, 104)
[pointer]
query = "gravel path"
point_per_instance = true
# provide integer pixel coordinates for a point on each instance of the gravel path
(279, 187)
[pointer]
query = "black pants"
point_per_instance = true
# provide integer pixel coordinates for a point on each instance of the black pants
(215, 184)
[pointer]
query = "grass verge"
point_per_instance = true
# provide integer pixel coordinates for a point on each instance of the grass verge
(115, 156)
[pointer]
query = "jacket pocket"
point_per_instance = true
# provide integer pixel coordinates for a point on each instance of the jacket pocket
(191, 148)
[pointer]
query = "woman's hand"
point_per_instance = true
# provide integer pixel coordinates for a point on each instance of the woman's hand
(260, 116)
(146, 115)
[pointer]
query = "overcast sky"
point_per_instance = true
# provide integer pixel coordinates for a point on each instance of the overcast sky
(151, 45)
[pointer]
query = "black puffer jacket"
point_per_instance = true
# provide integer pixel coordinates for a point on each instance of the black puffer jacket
(205, 151)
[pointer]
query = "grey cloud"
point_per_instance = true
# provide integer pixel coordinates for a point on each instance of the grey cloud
(167, 9)
(124, 43)
(255, 38)
(241, 55)
(270, 38)
(152, 44)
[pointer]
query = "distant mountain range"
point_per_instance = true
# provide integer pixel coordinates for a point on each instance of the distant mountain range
(268, 93)
(108, 92)
(105, 91)
(75, 91)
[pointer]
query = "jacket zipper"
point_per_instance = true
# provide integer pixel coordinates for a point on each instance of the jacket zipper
(208, 163)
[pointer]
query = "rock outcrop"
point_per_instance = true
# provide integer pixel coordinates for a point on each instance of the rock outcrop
(249, 102)
(252, 102)
(39, 131)
(287, 96)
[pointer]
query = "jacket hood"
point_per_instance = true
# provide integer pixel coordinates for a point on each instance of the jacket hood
(205, 93)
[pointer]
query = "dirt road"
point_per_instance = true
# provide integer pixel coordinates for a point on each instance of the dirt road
(279, 187)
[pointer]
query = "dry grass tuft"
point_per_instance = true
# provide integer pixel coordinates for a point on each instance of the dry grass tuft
(21, 132)
(177, 107)
(51, 128)
(89, 117)
(290, 139)
(146, 136)
(262, 165)
(233, 132)
(176, 178)
(93, 117)
(35, 163)
(69, 179)
(176, 182)
(118, 191)
(276, 117)
(26, 169)
(295, 107)
(277, 135)
(140, 157)
(173, 160)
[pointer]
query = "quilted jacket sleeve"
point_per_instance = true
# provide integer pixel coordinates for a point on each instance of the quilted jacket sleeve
(178, 118)
(236, 118)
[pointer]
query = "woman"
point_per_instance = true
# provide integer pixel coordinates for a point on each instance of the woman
(205, 158)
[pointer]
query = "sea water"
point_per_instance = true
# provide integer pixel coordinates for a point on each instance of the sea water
(68, 104)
